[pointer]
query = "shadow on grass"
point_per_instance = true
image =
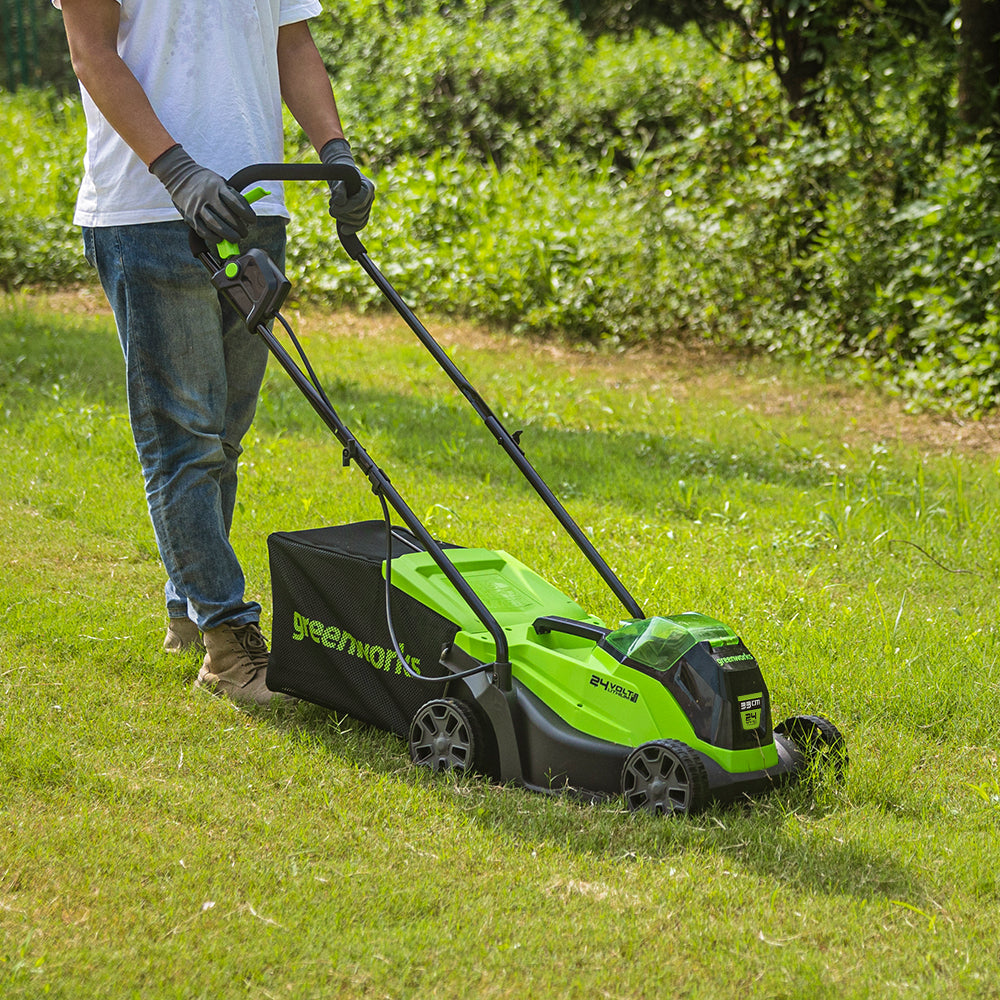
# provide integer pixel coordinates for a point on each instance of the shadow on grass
(791, 838)
(444, 436)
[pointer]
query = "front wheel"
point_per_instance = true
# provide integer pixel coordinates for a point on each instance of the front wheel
(664, 777)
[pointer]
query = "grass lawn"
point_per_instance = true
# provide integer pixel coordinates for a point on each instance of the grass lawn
(156, 842)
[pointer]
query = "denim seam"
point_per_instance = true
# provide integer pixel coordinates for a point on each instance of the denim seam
(124, 268)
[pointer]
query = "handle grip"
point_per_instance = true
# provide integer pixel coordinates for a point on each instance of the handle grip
(350, 176)
(227, 248)
(297, 172)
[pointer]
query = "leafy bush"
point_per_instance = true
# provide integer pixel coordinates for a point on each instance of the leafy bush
(40, 170)
(620, 188)
(934, 327)
(473, 77)
(502, 81)
(515, 248)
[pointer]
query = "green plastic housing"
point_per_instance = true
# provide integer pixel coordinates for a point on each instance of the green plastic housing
(584, 684)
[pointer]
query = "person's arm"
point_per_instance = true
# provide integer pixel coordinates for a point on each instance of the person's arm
(306, 90)
(305, 86)
(206, 203)
(92, 33)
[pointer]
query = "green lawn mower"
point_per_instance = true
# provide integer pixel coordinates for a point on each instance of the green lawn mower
(477, 661)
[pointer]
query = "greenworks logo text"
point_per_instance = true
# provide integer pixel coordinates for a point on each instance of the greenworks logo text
(738, 658)
(342, 641)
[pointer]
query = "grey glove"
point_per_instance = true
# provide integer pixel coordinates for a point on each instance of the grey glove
(208, 204)
(350, 212)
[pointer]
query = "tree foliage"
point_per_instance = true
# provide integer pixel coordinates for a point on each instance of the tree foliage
(33, 46)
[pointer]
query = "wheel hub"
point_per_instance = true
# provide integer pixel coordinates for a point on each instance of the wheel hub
(442, 736)
(664, 777)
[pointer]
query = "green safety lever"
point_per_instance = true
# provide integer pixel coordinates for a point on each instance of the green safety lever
(227, 248)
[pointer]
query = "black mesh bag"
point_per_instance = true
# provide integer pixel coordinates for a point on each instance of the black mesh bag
(330, 643)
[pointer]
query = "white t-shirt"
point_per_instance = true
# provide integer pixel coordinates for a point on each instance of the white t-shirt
(210, 71)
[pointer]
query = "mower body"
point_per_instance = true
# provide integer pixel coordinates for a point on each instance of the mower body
(583, 696)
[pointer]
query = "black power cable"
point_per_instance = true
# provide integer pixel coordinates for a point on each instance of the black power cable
(410, 672)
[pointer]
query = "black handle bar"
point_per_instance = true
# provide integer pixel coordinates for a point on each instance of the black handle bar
(356, 250)
(298, 172)
(242, 179)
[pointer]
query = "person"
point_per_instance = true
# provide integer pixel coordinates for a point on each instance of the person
(178, 95)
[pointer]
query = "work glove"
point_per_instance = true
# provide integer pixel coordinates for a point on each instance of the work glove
(207, 203)
(350, 212)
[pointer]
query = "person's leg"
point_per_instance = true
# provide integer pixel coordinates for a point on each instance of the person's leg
(236, 655)
(243, 370)
(170, 325)
(193, 374)
(243, 383)
(105, 250)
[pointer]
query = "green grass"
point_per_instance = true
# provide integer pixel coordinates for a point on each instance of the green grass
(158, 843)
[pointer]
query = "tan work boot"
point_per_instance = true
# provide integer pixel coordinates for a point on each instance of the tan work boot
(182, 635)
(235, 665)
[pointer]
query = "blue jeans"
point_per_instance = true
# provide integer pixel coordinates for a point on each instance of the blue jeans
(193, 373)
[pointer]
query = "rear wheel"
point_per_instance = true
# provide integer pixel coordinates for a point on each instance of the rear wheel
(444, 736)
(819, 741)
(664, 777)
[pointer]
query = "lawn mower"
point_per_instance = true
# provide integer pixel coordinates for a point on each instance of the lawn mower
(475, 660)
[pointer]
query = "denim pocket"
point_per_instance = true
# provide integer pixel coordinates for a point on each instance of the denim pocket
(89, 250)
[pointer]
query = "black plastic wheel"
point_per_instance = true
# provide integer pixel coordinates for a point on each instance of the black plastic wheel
(664, 777)
(444, 736)
(820, 742)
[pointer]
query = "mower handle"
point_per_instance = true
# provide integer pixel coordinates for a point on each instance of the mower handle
(350, 176)
(298, 172)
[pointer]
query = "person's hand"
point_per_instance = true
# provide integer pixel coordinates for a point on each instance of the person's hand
(351, 212)
(207, 203)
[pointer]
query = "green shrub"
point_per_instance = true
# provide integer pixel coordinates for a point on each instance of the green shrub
(538, 248)
(40, 170)
(416, 78)
(617, 189)
(502, 81)
(934, 332)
